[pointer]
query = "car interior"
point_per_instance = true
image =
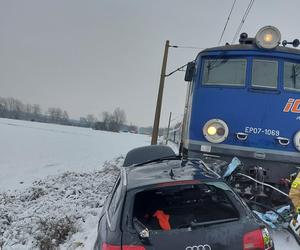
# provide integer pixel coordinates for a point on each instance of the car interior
(177, 207)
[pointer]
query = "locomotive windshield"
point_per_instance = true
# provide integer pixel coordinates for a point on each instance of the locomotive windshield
(224, 72)
(291, 76)
(264, 73)
(232, 72)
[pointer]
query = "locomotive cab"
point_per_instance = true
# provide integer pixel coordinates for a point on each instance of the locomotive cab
(244, 101)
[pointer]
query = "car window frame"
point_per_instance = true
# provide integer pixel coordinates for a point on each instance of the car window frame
(111, 219)
(232, 197)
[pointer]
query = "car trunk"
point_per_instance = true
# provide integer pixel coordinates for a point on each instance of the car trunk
(186, 216)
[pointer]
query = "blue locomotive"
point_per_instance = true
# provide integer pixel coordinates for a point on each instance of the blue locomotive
(244, 101)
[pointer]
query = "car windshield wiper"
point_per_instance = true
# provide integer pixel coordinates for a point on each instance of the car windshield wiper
(165, 158)
(208, 223)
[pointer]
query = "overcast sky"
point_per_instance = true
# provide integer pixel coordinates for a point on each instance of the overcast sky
(92, 56)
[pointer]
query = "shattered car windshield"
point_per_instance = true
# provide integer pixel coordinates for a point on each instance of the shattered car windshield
(180, 206)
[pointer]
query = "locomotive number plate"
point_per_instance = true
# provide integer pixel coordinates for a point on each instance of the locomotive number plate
(262, 131)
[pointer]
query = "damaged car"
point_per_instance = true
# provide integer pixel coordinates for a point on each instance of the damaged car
(170, 203)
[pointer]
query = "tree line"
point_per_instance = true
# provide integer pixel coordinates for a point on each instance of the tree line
(114, 121)
(15, 109)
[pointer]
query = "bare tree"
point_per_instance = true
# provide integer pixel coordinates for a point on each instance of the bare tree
(28, 108)
(113, 122)
(15, 108)
(3, 107)
(36, 109)
(119, 116)
(55, 114)
(65, 116)
(107, 119)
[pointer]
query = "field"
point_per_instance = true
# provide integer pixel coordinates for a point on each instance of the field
(30, 150)
(52, 176)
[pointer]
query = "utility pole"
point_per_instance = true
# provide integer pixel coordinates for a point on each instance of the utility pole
(160, 95)
(170, 116)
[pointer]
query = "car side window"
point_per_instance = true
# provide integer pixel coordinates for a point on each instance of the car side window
(115, 200)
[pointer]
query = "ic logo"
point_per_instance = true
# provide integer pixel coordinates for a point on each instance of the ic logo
(199, 247)
(292, 105)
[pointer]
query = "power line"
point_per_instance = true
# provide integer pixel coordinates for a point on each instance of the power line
(243, 20)
(226, 22)
(177, 118)
(178, 69)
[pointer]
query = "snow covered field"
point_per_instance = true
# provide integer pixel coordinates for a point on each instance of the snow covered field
(56, 174)
(31, 150)
(37, 217)
(62, 176)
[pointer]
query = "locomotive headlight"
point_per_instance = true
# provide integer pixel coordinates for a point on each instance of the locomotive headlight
(297, 140)
(215, 131)
(268, 37)
(211, 130)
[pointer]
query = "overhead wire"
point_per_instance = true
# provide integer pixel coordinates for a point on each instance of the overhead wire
(178, 69)
(177, 118)
(243, 20)
(181, 67)
(225, 26)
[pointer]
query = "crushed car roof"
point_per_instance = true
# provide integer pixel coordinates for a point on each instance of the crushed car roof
(167, 171)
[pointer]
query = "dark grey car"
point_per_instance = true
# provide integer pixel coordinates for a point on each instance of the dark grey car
(176, 204)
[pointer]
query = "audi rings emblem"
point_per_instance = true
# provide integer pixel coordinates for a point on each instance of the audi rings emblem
(199, 247)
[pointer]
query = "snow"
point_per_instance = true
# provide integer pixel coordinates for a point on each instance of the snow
(284, 240)
(31, 150)
(52, 172)
(73, 198)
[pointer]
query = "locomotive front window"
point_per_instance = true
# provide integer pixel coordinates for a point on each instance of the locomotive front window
(291, 76)
(224, 71)
(264, 73)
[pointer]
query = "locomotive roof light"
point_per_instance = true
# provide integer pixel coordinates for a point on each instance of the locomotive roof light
(268, 37)
(215, 131)
(297, 140)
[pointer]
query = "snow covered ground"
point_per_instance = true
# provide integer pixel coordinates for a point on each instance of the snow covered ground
(31, 150)
(70, 202)
(56, 176)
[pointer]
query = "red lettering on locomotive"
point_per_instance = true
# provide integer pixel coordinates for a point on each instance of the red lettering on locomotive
(292, 105)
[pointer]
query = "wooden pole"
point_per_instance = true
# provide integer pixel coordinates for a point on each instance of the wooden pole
(160, 95)
(170, 116)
